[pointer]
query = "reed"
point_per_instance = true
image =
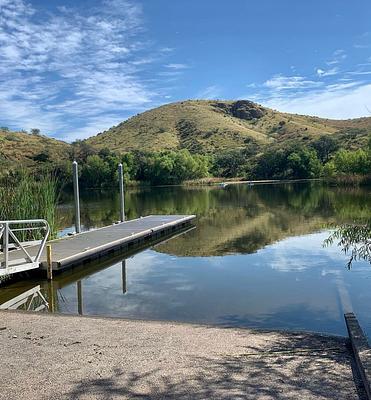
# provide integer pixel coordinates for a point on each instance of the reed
(30, 198)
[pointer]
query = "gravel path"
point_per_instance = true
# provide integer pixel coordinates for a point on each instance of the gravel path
(45, 356)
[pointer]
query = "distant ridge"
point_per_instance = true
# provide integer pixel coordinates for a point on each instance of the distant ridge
(201, 126)
(210, 126)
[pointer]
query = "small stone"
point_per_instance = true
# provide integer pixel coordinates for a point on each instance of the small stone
(2, 328)
(15, 336)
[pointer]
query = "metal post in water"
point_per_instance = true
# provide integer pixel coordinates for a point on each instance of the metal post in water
(122, 194)
(75, 169)
(49, 270)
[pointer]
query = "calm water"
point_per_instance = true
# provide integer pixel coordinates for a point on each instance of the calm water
(255, 259)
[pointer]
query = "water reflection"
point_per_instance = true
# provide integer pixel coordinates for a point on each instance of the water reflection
(255, 259)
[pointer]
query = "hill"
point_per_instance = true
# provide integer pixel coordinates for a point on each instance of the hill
(30, 150)
(210, 126)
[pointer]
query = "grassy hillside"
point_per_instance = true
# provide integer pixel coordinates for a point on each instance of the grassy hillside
(18, 148)
(208, 126)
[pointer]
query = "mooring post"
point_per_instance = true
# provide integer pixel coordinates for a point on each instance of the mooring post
(49, 269)
(75, 169)
(122, 194)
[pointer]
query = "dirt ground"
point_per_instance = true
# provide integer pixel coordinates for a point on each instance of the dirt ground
(45, 356)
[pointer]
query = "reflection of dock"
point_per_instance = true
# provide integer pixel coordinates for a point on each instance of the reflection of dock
(11, 295)
(88, 246)
(29, 300)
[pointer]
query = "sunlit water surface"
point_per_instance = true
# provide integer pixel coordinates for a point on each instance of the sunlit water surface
(255, 259)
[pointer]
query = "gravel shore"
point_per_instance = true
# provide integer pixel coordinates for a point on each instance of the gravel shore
(48, 356)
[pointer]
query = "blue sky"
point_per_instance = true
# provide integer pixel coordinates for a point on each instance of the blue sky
(75, 68)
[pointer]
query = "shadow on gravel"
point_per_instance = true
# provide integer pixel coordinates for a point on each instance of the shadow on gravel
(296, 366)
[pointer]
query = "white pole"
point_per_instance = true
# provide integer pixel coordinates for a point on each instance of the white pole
(122, 194)
(75, 169)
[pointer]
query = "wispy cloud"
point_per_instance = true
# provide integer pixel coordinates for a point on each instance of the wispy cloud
(72, 68)
(331, 92)
(281, 83)
(177, 66)
(328, 72)
(337, 57)
(210, 93)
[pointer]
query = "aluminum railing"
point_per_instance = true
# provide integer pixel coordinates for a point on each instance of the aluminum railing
(14, 256)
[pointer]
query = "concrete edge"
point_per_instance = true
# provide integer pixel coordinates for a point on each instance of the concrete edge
(361, 350)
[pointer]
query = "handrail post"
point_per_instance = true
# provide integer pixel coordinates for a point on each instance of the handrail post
(76, 196)
(6, 244)
(122, 194)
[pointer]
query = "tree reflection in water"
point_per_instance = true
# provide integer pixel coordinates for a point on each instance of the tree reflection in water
(354, 239)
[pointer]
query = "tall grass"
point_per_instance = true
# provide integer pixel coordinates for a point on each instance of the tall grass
(25, 197)
(30, 198)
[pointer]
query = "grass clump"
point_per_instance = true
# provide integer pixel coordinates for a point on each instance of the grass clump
(25, 197)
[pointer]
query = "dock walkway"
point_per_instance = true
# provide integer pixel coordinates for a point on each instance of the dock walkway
(94, 244)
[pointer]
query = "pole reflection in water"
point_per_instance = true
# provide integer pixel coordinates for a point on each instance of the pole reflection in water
(123, 273)
(79, 297)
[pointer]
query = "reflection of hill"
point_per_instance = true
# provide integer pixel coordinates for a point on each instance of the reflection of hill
(237, 219)
(280, 212)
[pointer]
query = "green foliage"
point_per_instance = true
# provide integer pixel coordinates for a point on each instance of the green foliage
(229, 164)
(172, 167)
(354, 239)
(290, 163)
(25, 197)
(325, 146)
(352, 162)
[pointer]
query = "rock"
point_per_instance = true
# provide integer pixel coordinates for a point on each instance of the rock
(243, 109)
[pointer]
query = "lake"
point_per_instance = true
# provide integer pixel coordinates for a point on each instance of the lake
(255, 259)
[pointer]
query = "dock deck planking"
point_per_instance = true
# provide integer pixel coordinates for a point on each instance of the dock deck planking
(97, 243)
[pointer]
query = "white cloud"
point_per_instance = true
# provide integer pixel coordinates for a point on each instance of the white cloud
(329, 72)
(337, 57)
(338, 102)
(71, 68)
(210, 93)
(177, 66)
(280, 82)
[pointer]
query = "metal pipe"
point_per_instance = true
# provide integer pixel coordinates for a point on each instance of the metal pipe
(75, 169)
(6, 244)
(122, 194)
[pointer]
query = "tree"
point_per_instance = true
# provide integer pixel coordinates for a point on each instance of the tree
(354, 239)
(229, 164)
(35, 131)
(325, 145)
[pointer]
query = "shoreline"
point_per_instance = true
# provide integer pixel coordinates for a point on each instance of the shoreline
(88, 357)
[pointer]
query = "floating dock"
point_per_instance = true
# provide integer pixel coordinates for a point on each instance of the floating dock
(91, 245)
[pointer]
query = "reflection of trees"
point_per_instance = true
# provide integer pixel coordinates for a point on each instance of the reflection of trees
(355, 240)
(237, 219)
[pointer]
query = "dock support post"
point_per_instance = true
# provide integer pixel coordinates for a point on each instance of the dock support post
(122, 194)
(49, 270)
(76, 196)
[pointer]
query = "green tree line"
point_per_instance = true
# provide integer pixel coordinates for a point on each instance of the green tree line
(322, 157)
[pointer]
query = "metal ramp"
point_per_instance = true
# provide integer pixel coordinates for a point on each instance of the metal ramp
(15, 237)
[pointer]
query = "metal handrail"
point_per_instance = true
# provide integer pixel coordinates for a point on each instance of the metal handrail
(6, 232)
